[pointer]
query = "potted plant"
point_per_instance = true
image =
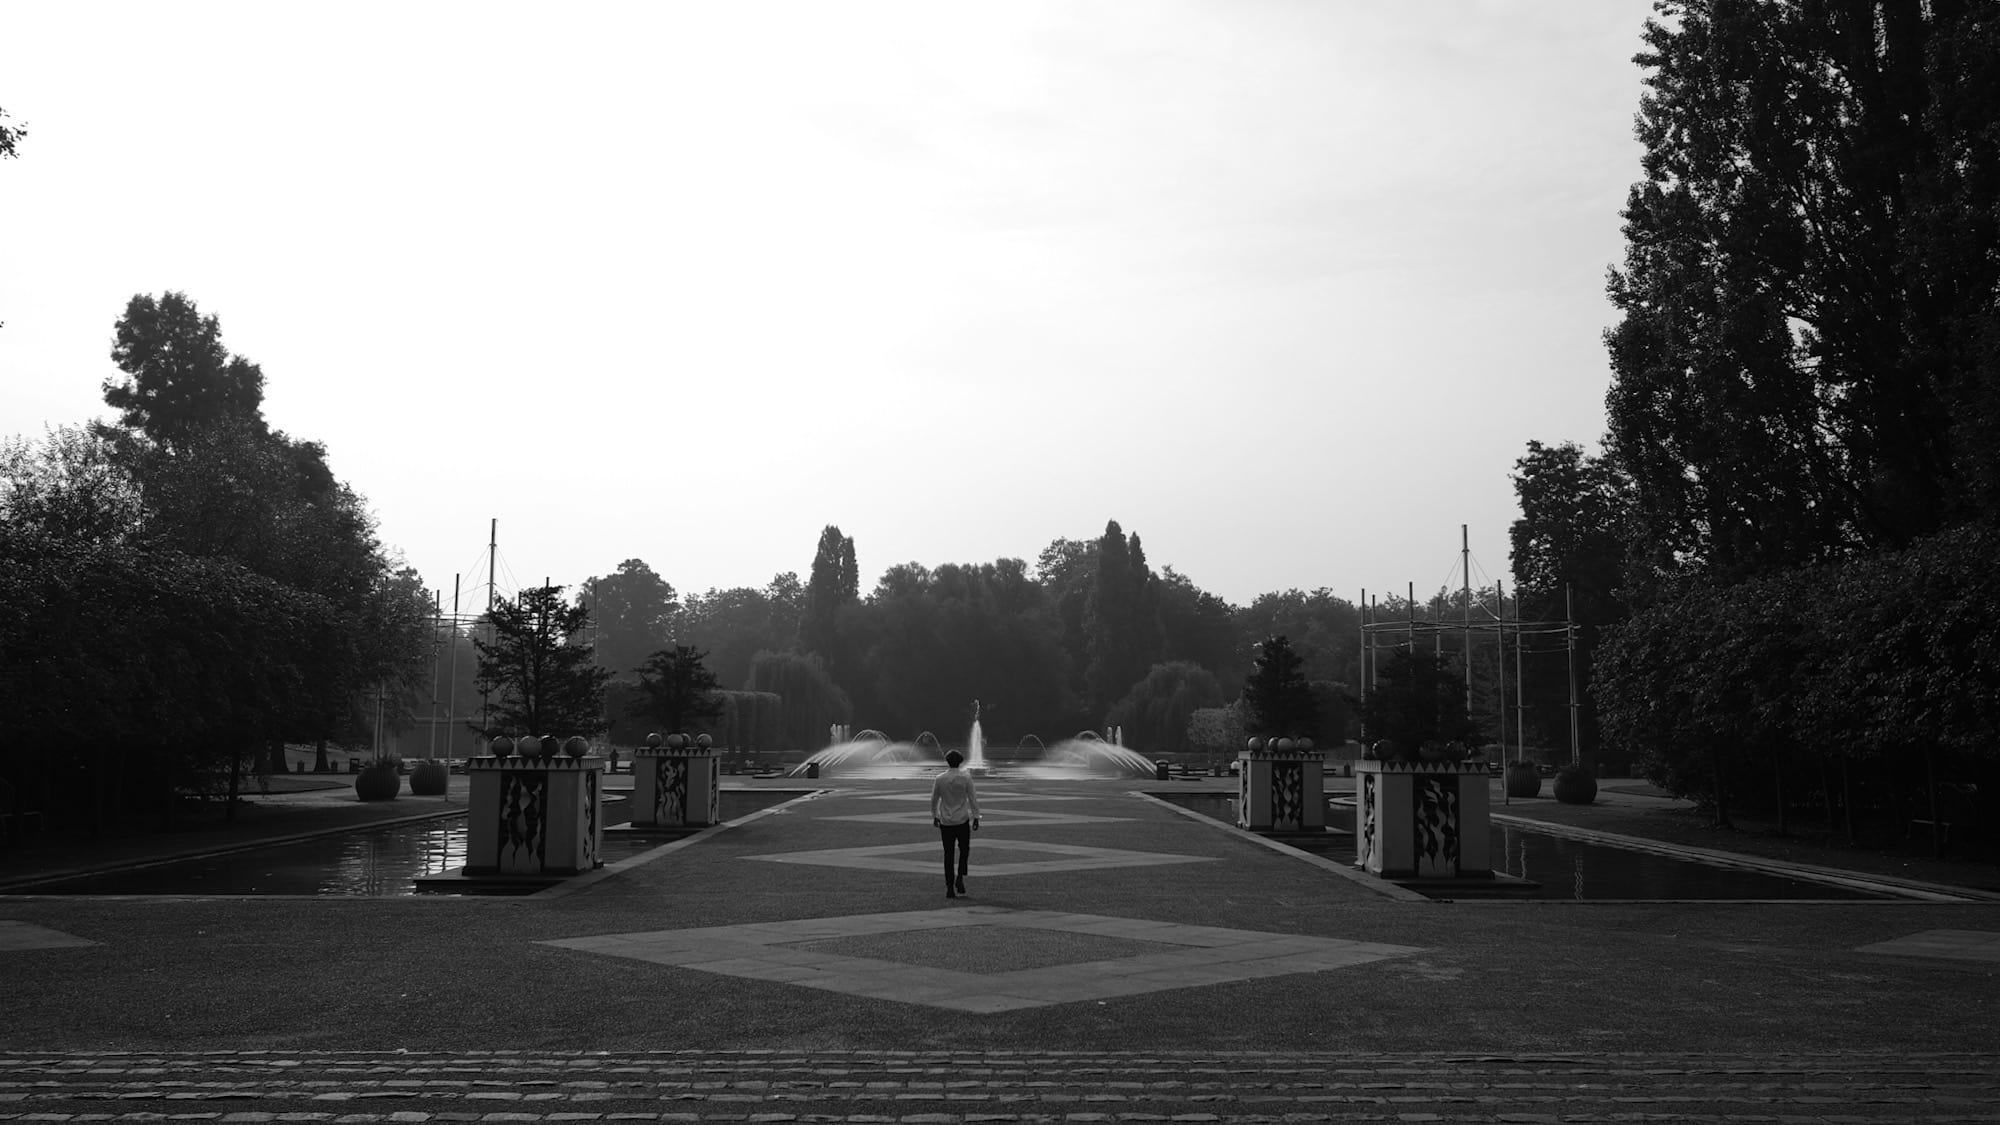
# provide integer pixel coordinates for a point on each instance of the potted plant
(430, 778)
(1523, 779)
(379, 780)
(1576, 785)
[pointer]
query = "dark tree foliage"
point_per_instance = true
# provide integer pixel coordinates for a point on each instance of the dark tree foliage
(1569, 549)
(133, 675)
(1277, 698)
(10, 136)
(542, 681)
(831, 586)
(1418, 697)
(634, 610)
(732, 626)
(179, 377)
(1198, 627)
(931, 642)
(1065, 569)
(1322, 627)
(809, 701)
(1154, 714)
(1804, 365)
(1121, 618)
(1867, 679)
(677, 691)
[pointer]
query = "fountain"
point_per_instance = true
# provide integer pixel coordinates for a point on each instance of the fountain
(872, 754)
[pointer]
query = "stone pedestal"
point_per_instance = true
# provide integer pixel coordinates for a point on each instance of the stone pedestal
(534, 817)
(1421, 820)
(676, 788)
(1281, 790)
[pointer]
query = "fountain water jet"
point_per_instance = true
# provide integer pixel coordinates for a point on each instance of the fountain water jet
(1088, 756)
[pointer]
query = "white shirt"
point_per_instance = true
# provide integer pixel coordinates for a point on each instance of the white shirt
(952, 798)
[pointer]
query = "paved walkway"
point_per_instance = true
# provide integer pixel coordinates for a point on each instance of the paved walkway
(1115, 960)
(988, 1088)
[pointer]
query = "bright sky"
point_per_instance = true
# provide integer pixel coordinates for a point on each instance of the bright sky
(1284, 287)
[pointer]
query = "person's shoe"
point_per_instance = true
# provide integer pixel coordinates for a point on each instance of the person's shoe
(961, 884)
(948, 893)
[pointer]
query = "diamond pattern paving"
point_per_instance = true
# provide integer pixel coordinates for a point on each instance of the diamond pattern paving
(1027, 857)
(1955, 945)
(796, 953)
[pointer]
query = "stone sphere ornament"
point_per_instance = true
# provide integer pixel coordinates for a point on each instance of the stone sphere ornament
(551, 746)
(576, 746)
(1283, 744)
(653, 740)
(704, 742)
(1256, 744)
(1305, 743)
(502, 746)
(676, 740)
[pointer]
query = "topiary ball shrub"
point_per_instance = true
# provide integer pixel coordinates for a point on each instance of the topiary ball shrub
(1576, 785)
(378, 782)
(1523, 780)
(430, 778)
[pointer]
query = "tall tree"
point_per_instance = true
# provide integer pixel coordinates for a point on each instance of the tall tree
(634, 609)
(542, 680)
(1418, 697)
(677, 690)
(831, 585)
(1568, 561)
(1277, 698)
(1121, 618)
(1798, 371)
(179, 377)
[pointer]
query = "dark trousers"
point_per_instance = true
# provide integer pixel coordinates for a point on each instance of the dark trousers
(956, 836)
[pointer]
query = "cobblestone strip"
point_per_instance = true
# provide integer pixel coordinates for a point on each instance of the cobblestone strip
(902, 1088)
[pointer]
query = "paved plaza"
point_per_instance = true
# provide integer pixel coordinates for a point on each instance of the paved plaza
(1115, 960)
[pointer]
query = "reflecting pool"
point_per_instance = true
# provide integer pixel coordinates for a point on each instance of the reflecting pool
(1568, 869)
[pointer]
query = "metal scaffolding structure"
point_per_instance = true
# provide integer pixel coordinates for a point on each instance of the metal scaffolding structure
(1491, 620)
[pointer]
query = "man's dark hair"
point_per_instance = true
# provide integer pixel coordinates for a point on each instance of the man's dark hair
(953, 758)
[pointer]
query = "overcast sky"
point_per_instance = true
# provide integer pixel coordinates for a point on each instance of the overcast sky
(1285, 288)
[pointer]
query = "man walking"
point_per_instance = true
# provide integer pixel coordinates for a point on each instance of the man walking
(955, 811)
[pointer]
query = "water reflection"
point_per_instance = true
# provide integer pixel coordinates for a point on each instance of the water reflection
(382, 862)
(1572, 869)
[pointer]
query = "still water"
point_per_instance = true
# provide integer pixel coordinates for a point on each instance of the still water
(375, 863)
(1571, 870)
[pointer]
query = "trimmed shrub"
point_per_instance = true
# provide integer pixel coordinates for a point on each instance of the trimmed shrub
(378, 782)
(1523, 780)
(429, 778)
(1576, 785)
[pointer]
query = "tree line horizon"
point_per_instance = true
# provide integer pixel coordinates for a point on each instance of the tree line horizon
(1780, 560)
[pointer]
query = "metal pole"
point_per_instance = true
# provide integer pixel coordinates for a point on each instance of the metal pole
(1411, 608)
(1500, 663)
(492, 552)
(1569, 633)
(1465, 566)
(1362, 610)
(437, 613)
(451, 685)
(1375, 665)
(1520, 694)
